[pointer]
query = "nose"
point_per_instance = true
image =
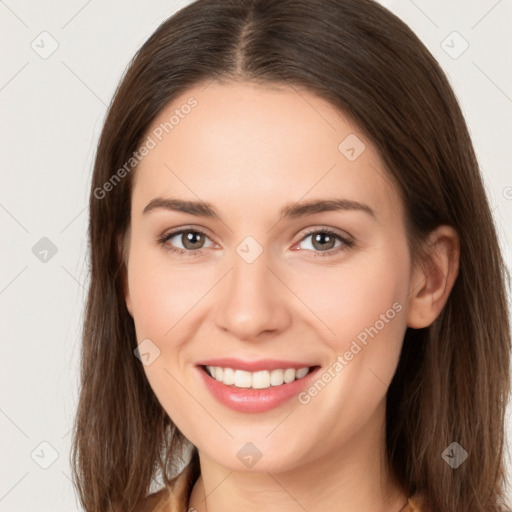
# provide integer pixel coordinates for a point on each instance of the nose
(252, 301)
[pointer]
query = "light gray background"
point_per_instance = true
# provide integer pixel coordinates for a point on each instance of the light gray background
(52, 112)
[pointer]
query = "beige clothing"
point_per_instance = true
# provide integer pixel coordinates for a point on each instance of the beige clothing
(176, 497)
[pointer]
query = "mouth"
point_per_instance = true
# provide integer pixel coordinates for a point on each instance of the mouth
(259, 390)
(262, 379)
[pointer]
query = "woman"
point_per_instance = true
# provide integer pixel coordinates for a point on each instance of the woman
(289, 230)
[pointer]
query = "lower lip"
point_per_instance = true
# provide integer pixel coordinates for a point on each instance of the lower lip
(255, 400)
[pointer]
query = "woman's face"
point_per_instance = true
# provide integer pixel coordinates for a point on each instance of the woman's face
(263, 284)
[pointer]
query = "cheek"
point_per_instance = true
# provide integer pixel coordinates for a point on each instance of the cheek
(163, 300)
(161, 295)
(365, 296)
(363, 305)
(369, 323)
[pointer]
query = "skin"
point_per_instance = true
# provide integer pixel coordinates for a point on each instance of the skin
(249, 150)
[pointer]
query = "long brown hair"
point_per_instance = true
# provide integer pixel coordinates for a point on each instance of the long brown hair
(452, 382)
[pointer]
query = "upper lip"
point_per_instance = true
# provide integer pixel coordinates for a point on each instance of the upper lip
(253, 366)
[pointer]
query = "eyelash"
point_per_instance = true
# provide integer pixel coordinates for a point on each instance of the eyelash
(347, 243)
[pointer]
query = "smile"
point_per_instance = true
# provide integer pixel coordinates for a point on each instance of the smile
(256, 380)
(255, 387)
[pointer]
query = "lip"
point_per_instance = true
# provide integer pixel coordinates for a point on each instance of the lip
(255, 400)
(254, 366)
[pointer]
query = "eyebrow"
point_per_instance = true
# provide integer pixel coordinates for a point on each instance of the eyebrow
(291, 210)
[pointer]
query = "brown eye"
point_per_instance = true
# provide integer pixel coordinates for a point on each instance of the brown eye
(192, 241)
(322, 240)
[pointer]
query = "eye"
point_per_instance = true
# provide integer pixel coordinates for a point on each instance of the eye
(324, 242)
(192, 241)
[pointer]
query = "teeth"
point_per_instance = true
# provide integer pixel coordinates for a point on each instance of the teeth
(276, 377)
(289, 375)
(256, 380)
(229, 376)
(260, 380)
(301, 372)
(242, 379)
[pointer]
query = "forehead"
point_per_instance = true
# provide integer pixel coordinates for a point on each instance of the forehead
(251, 147)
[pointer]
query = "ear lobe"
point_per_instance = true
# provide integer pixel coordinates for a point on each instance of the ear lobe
(433, 280)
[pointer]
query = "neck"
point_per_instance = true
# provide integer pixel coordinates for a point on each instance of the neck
(353, 478)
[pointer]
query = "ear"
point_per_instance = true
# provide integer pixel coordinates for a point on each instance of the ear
(433, 279)
(123, 245)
